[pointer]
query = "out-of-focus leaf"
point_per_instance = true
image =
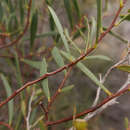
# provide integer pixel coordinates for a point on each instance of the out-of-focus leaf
(21, 9)
(125, 68)
(116, 36)
(42, 125)
(86, 71)
(67, 88)
(34, 64)
(126, 123)
(69, 12)
(49, 2)
(92, 30)
(80, 124)
(71, 42)
(18, 71)
(48, 34)
(125, 17)
(8, 92)
(18, 120)
(23, 107)
(77, 33)
(37, 121)
(43, 70)
(10, 5)
(101, 57)
(12, 23)
(57, 57)
(59, 28)
(76, 5)
(1, 12)
(99, 19)
(33, 27)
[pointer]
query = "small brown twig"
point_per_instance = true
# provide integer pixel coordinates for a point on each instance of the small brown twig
(5, 124)
(24, 31)
(44, 110)
(59, 89)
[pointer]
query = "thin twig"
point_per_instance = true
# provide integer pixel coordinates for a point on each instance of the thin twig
(44, 110)
(29, 110)
(59, 89)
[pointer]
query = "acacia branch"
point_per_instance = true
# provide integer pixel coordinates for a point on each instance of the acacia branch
(81, 57)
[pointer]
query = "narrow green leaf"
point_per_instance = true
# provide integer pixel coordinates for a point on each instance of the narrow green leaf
(68, 88)
(48, 34)
(8, 92)
(71, 42)
(34, 64)
(1, 12)
(116, 36)
(124, 17)
(76, 5)
(101, 57)
(12, 23)
(43, 70)
(23, 108)
(92, 30)
(49, 2)
(21, 9)
(99, 19)
(69, 12)
(125, 68)
(18, 71)
(57, 57)
(59, 28)
(86, 71)
(33, 27)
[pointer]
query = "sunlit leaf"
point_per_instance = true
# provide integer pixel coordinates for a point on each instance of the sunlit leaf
(8, 92)
(43, 70)
(59, 28)
(125, 68)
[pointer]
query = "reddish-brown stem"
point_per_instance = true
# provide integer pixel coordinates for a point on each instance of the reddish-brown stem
(25, 29)
(91, 109)
(59, 89)
(7, 125)
(44, 110)
(82, 56)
